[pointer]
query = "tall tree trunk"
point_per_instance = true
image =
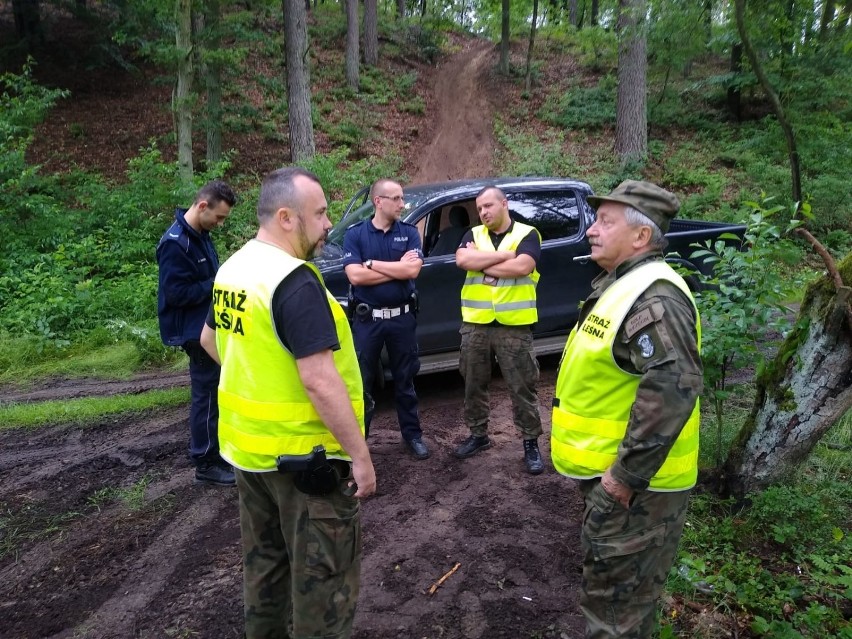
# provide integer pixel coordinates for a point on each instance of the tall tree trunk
(182, 101)
(504, 39)
(708, 21)
(734, 93)
(213, 80)
(593, 17)
(371, 33)
(400, 9)
(353, 58)
(298, 81)
(789, 136)
(528, 75)
(422, 9)
(631, 123)
(826, 18)
(572, 13)
(27, 19)
(806, 390)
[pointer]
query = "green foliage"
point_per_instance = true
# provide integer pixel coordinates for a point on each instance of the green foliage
(744, 302)
(784, 562)
(596, 47)
(581, 107)
(23, 105)
(341, 176)
(526, 154)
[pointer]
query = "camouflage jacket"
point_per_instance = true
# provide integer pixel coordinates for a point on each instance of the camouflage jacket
(672, 374)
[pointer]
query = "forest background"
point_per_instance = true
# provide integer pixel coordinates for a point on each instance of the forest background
(88, 190)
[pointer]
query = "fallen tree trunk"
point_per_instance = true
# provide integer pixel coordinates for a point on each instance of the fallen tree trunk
(801, 394)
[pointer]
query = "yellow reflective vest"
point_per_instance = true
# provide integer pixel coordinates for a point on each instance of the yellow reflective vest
(264, 410)
(595, 396)
(509, 300)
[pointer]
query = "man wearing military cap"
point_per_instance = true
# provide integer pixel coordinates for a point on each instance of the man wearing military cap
(625, 411)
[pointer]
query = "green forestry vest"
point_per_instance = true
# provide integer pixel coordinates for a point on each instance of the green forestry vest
(510, 301)
(264, 410)
(595, 395)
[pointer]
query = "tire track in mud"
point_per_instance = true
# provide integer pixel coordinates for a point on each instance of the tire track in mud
(85, 561)
(150, 572)
(48, 454)
(61, 388)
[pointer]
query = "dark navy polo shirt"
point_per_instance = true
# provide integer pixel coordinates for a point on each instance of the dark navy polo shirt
(364, 241)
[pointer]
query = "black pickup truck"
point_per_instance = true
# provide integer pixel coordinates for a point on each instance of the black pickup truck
(556, 207)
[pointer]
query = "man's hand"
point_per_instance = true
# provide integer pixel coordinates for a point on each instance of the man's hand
(411, 256)
(618, 491)
(364, 476)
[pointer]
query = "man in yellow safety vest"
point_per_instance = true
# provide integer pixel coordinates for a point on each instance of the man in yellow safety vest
(625, 411)
(498, 305)
(291, 419)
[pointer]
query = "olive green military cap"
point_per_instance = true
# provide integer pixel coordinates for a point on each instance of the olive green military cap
(658, 204)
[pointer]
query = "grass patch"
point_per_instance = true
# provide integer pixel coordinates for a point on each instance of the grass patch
(28, 525)
(88, 409)
(26, 358)
(133, 497)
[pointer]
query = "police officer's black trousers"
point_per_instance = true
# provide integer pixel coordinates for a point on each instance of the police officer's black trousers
(397, 334)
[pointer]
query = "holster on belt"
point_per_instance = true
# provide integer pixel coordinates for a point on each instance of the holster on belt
(314, 474)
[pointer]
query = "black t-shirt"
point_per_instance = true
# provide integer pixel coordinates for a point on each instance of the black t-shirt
(530, 245)
(301, 314)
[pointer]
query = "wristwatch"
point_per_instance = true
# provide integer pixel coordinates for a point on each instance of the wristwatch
(369, 264)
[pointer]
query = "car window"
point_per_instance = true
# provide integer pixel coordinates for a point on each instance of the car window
(450, 224)
(363, 212)
(556, 214)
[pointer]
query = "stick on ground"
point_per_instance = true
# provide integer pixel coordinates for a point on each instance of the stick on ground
(446, 576)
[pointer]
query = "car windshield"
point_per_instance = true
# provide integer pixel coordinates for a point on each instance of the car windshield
(363, 212)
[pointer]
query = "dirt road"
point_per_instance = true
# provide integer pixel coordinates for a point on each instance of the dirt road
(111, 539)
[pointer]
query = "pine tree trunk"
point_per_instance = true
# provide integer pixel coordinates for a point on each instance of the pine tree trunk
(631, 124)
(572, 13)
(528, 74)
(298, 81)
(400, 9)
(504, 39)
(182, 103)
(826, 18)
(371, 33)
(206, 34)
(213, 81)
(352, 55)
(593, 18)
(805, 391)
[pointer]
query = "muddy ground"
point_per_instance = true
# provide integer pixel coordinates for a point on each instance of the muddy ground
(106, 536)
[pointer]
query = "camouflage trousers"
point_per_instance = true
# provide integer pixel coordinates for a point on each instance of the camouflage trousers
(513, 347)
(627, 555)
(301, 559)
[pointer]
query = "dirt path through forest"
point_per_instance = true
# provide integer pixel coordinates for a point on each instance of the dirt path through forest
(463, 140)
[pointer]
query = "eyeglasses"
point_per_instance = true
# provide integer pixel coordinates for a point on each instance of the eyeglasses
(395, 198)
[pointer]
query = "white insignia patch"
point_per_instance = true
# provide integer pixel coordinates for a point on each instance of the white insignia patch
(646, 344)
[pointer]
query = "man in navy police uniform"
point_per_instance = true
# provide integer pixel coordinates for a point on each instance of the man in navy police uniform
(188, 264)
(382, 258)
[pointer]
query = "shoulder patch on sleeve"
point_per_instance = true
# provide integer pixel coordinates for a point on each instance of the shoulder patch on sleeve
(643, 318)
